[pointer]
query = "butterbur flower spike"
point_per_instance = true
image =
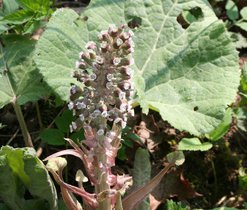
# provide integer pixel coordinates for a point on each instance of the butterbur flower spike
(110, 73)
(104, 69)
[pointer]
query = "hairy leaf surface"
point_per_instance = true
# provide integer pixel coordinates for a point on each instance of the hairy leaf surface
(59, 48)
(187, 72)
(19, 78)
(21, 170)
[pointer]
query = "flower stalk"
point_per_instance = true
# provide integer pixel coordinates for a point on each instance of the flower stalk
(101, 105)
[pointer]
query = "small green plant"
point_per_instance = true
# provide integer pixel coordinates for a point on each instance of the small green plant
(24, 16)
(233, 14)
(171, 205)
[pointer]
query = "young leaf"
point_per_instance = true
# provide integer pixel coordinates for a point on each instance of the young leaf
(242, 179)
(18, 17)
(19, 78)
(52, 136)
(222, 128)
(243, 13)
(231, 10)
(63, 121)
(171, 205)
(188, 75)
(176, 157)
(32, 26)
(239, 40)
(241, 116)
(242, 25)
(244, 72)
(77, 136)
(35, 5)
(193, 144)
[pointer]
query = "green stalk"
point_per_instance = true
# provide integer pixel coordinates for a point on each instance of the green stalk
(215, 178)
(102, 187)
(39, 115)
(23, 126)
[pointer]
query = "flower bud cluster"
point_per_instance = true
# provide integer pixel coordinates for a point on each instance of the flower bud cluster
(105, 71)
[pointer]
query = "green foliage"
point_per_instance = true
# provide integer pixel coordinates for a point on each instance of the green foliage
(128, 138)
(62, 122)
(3, 206)
(239, 39)
(242, 179)
(243, 13)
(19, 78)
(142, 174)
(18, 17)
(243, 82)
(188, 75)
(241, 116)
(176, 157)
(64, 38)
(232, 10)
(243, 22)
(233, 15)
(55, 136)
(25, 20)
(193, 144)
(9, 6)
(52, 136)
(172, 205)
(21, 170)
(222, 128)
(39, 6)
(240, 112)
(224, 208)
(242, 25)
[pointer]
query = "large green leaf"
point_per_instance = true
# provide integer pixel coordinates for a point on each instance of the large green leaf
(19, 78)
(9, 6)
(188, 75)
(58, 49)
(42, 187)
(9, 185)
(20, 169)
